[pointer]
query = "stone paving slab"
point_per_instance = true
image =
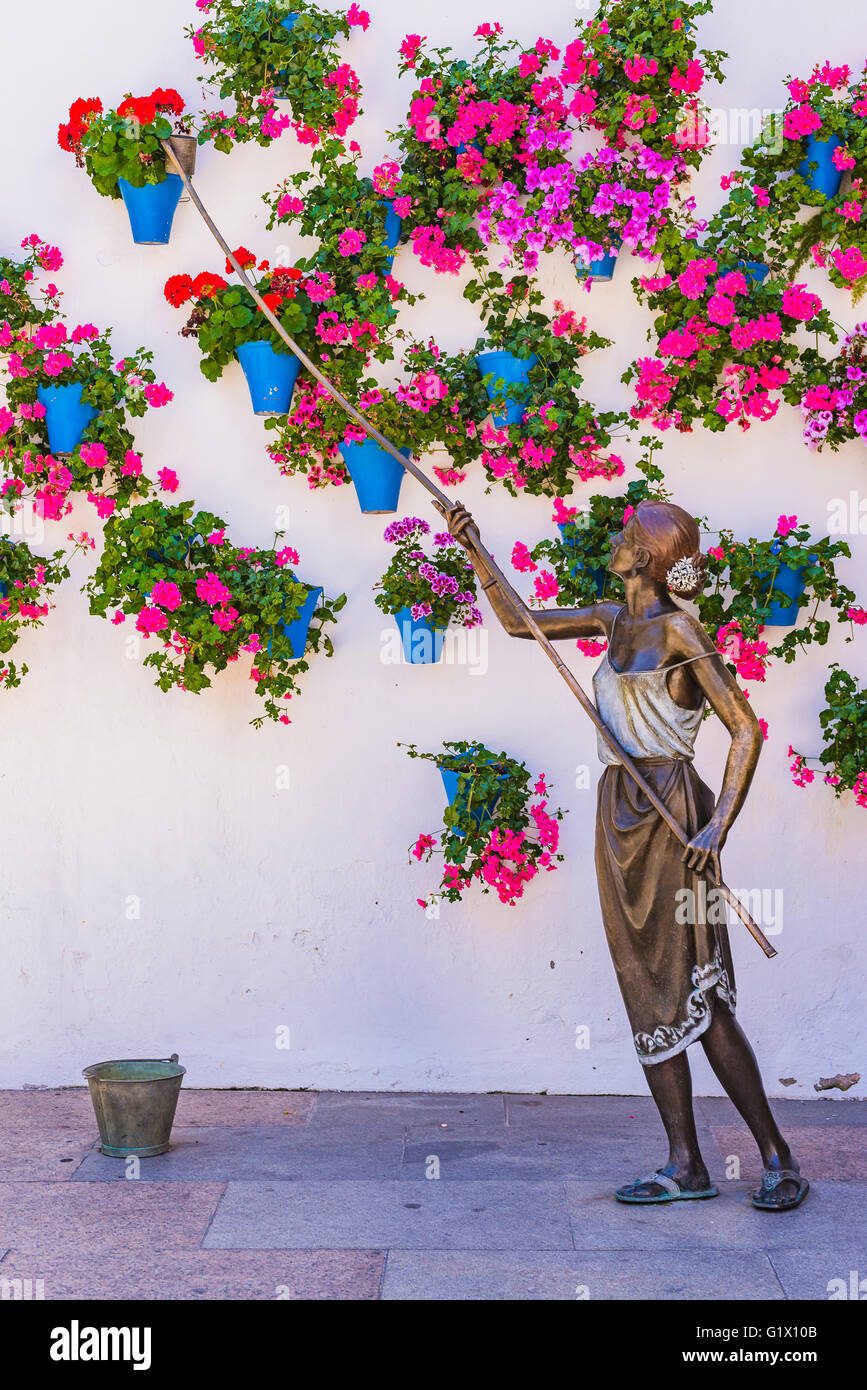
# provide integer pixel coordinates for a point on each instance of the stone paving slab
(726, 1222)
(809, 1273)
(383, 1115)
(839, 1154)
(42, 1154)
(244, 1107)
(576, 1275)
(563, 1112)
(53, 1108)
(821, 1111)
(420, 1215)
(610, 1159)
(129, 1217)
(202, 1274)
(254, 1153)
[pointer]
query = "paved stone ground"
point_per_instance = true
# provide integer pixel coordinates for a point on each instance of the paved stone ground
(279, 1194)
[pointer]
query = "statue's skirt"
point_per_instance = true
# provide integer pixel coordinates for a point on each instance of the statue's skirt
(666, 927)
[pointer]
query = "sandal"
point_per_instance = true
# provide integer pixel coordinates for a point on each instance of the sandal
(673, 1191)
(771, 1179)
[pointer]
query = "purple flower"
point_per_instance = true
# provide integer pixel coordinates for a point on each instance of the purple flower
(402, 530)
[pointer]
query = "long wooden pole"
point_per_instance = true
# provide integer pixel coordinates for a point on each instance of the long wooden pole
(412, 467)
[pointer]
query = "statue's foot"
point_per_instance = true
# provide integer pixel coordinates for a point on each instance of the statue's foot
(782, 1189)
(670, 1184)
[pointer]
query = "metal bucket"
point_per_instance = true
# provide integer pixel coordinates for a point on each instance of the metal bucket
(185, 147)
(135, 1102)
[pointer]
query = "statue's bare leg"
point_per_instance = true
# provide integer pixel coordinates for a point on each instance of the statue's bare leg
(671, 1087)
(735, 1065)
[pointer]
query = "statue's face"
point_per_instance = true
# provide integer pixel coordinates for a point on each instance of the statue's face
(622, 559)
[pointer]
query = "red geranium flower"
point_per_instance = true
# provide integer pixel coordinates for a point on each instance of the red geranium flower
(273, 301)
(207, 283)
(81, 112)
(143, 109)
(284, 283)
(244, 258)
(178, 289)
(81, 109)
(167, 99)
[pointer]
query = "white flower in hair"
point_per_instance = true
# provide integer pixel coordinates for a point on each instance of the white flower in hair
(683, 577)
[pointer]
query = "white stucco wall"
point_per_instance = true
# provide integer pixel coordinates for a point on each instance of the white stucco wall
(264, 908)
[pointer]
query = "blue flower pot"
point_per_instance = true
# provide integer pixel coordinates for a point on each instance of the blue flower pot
(422, 640)
(474, 144)
(376, 475)
(4, 587)
(598, 574)
(505, 366)
(756, 272)
(393, 225)
(602, 267)
(481, 812)
(299, 627)
(67, 416)
(825, 177)
(161, 554)
(270, 376)
(151, 209)
(790, 581)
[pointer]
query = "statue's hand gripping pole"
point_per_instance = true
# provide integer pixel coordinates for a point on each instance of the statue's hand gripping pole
(445, 504)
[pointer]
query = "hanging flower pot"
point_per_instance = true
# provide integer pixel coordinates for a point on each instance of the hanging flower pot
(67, 416)
(376, 475)
(497, 829)
(755, 271)
(393, 225)
(281, 78)
(185, 148)
(151, 209)
(824, 177)
(598, 574)
(422, 641)
(789, 581)
(4, 587)
(481, 811)
(176, 549)
(601, 267)
(505, 366)
(270, 376)
(298, 628)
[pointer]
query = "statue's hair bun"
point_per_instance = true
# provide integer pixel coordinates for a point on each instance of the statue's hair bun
(687, 576)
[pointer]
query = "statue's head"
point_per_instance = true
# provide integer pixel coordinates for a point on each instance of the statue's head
(663, 540)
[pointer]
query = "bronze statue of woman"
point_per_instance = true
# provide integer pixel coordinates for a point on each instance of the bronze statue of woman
(673, 964)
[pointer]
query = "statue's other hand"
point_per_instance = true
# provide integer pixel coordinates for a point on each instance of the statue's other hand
(702, 854)
(461, 525)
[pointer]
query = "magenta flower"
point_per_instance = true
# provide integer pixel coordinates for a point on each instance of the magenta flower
(166, 594)
(157, 393)
(151, 620)
(212, 590)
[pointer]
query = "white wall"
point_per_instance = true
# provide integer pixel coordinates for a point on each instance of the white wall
(260, 907)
